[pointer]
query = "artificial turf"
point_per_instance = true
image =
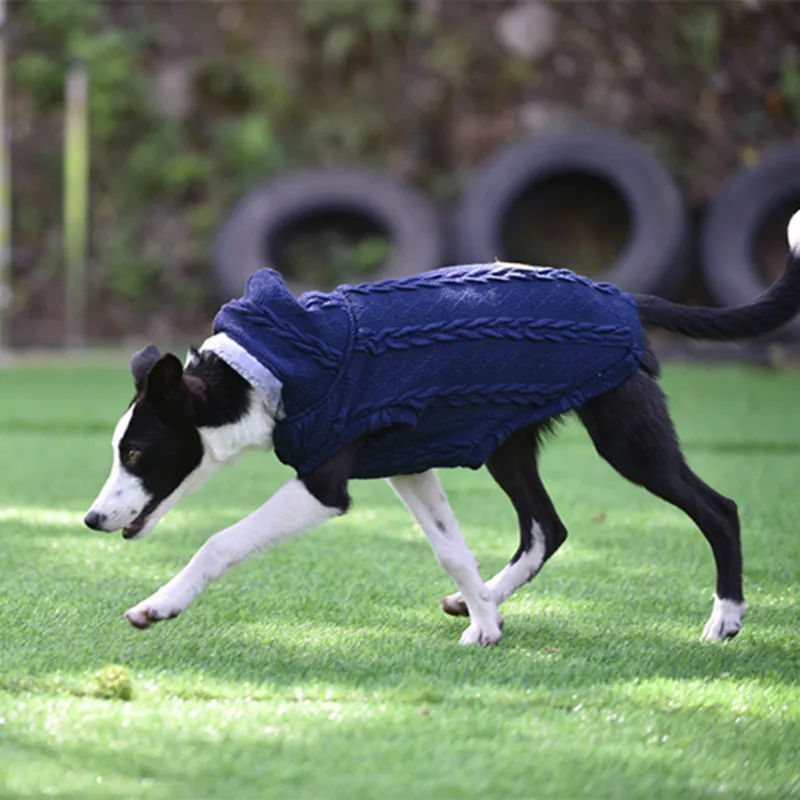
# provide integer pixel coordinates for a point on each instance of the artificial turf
(325, 669)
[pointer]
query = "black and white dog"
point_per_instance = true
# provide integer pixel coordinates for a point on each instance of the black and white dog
(184, 423)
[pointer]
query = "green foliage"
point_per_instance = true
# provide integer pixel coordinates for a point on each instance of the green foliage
(248, 146)
(325, 256)
(126, 271)
(382, 82)
(701, 32)
(62, 33)
(118, 96)
(450, 56)
(370, 253)
(241, 84)
(344, 26)
(348, 130)
(790, 83)
(247, 122)
(226, 82)
(147, 160)
(186, 170)
(374, 16)
(203, 219)
(339, 43)
(162, 165)
(58, 21)
(41, 76)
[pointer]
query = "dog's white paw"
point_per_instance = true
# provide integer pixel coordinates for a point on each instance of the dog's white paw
(725, 621)
(151, 610)
(481, 635)
(456, 606)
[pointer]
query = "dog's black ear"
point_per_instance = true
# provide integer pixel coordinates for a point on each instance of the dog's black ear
(141, 361)
(164, 382)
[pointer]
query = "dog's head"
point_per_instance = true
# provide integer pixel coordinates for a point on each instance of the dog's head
(158, 451)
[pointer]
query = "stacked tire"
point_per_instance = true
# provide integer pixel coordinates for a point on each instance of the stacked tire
(249, 239)
(749, 200)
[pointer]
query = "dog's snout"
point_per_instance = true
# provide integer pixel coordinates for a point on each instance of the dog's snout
(94, 520)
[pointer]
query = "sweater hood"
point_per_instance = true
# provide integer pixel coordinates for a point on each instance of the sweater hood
(302, 341)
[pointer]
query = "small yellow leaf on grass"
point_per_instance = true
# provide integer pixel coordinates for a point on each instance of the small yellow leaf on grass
(113, 683)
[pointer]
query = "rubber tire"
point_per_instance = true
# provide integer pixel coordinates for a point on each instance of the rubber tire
(732, 224)
(409, 219)
(655, 257)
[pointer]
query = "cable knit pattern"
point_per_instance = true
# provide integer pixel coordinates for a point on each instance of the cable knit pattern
(541, 330)
(481, 275)
(436, 369)
(476, 394)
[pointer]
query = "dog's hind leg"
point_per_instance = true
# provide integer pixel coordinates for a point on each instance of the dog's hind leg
(513, 466)
(631, 429)
(424, 497)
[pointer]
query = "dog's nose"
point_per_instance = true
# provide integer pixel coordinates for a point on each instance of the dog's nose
(94, 520)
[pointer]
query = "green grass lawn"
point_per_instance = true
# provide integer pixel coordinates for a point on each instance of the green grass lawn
(325, 669)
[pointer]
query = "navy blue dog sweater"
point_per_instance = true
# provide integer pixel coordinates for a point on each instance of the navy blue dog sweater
(438, 368)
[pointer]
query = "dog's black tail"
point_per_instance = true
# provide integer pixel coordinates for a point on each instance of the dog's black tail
(768, 312)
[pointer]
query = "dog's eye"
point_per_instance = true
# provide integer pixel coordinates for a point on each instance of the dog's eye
(132, 455)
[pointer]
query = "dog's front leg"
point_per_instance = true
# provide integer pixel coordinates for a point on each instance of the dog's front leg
(425, 499)
(292, 510)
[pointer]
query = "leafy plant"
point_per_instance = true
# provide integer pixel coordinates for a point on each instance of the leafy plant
(790, 83)
(343, 26)
(118, 97)
(124, 271)
(41, 76)
(57, 21)
(701, 31)
(249, 146)
(326, 255)
(376, 16)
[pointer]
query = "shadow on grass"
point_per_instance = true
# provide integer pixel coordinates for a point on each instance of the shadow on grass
(374, 624)
(534, 654)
